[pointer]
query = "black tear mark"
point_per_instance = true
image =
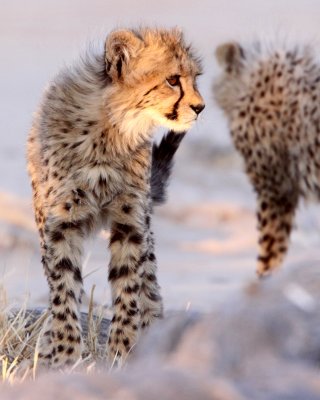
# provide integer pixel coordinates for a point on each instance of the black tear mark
(174, 113)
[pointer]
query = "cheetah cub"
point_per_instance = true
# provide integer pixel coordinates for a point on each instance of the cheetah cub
(271, 97)
(89, 158)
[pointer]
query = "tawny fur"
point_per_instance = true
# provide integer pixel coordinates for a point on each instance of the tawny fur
(271, 97)
(89, 158)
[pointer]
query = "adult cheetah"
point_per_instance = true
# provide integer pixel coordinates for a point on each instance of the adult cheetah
(89, 158)
(271, 97)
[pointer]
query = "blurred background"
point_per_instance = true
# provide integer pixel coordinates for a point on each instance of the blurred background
(206, 233)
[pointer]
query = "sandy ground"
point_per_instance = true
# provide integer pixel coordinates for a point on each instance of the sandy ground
(206, 237)
(273, 354)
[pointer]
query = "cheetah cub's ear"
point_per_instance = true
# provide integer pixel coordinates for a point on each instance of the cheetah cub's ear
(121, 46)
(230, 56)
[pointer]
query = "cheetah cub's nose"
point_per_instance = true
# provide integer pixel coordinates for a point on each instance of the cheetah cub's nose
(198, 108)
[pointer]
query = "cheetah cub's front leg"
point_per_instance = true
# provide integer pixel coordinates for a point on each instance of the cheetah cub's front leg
(65, 226)
(151, 302)
(132, 268)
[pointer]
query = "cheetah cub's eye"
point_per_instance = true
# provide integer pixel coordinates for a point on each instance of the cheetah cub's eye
(173, 80)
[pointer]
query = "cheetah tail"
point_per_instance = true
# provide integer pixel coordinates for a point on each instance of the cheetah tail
(162, 163)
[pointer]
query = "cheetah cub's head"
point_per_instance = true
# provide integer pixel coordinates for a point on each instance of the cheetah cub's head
(154, 78)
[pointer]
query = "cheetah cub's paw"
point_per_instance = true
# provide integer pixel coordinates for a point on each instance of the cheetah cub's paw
(59, 348)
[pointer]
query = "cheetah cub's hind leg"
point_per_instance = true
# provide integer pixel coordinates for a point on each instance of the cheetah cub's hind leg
(275, 216)
(277, 199)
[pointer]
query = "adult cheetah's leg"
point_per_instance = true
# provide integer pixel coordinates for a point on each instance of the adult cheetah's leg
(128, 244)
(150, 299)
(275, 216)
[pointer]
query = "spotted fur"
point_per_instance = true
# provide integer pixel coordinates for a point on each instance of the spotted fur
(89, 158)
(271, 97)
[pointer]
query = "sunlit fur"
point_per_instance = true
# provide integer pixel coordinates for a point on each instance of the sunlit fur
(89, 158)
(270, 94)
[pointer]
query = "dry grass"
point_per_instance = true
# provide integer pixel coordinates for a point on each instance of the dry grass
(20, 333)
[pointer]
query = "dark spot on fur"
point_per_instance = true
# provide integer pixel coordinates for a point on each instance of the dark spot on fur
(61, 316)
(136, 238)
(60, 287)
(74, 316)
(64, 264)
(126, 229)
(143, 258)
(151, 277)
(151, 257)
(68, 327)
(126, 209)
(77, 275)
(54, 276)
(131, 312)
(70, 350)
(153, 296)
(116, 237)
(70, 338)
(60, 348)
(57, 300)
(70, 294)
(117, 300)
(133, 304)
(148, 221)
(56, 236)
(113, 274)
(133, 289)
(81, 193)
(75, 225)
